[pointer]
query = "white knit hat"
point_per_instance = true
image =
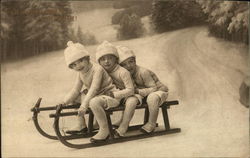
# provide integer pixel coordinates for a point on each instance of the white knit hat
(105, 48)
(74, 51)
(124, 53)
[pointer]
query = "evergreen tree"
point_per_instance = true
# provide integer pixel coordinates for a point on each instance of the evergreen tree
(130, 27)
(43, 30)
(85, 38)
(13, 45)
(89, 38)
(65, 18)
(5, 27)
(32, 27)
(48, 24)
(5, 22)
(171, 14)
(80, 35)
(227, 19)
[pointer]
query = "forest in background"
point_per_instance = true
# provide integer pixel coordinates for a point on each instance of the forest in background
(227, 19)
(33, 27)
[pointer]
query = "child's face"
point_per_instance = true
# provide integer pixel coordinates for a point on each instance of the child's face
(129, 64)
(108, 62)
(80, 65)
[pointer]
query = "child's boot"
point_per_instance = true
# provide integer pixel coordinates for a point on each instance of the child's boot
(148, 128)
(80, 127)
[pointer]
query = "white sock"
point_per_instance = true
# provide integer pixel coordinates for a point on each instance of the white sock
(80, 123)
(130, 106)
(97, 107)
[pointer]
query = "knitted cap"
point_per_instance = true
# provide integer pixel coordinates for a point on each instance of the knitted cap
(124, 53)
(105, 48)
(74, 51)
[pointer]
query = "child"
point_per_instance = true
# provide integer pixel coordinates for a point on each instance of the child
(99, 85)
(148, 85)
(108, 58)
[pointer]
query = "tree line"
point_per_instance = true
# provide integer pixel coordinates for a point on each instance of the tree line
(225, 19)
(33, 27)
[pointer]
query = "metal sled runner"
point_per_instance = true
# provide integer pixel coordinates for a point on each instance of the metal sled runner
(65, 139)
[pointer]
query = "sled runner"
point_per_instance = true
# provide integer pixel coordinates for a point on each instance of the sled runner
(37, 109)
(65, 139)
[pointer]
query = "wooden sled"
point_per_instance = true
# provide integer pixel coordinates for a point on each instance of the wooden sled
(37, 109)
(65, 139)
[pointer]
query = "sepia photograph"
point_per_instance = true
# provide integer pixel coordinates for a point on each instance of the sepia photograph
(125, 78)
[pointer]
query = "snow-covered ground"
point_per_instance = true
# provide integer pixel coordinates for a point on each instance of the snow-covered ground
(202, 72)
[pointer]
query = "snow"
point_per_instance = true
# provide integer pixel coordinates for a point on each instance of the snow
(202, 72)
(97, 22)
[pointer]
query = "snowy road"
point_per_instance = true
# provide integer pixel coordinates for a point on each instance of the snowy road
(204, 73)
(102, 28)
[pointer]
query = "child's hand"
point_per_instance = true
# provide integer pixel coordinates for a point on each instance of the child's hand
(111, 94)
(81, 111)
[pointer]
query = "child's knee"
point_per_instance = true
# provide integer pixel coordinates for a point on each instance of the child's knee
(153, 99)
(131, 101)
(96, 102)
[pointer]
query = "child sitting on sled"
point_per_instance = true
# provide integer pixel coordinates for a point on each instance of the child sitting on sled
(148, 86)
(99, 89)
(107, 57)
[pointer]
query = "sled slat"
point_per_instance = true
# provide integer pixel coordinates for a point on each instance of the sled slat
(119, 108)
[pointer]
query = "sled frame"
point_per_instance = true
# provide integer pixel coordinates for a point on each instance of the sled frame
(37, 109)
(112, 139)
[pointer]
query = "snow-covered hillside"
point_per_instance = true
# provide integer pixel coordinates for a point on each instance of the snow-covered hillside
(202, 72)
